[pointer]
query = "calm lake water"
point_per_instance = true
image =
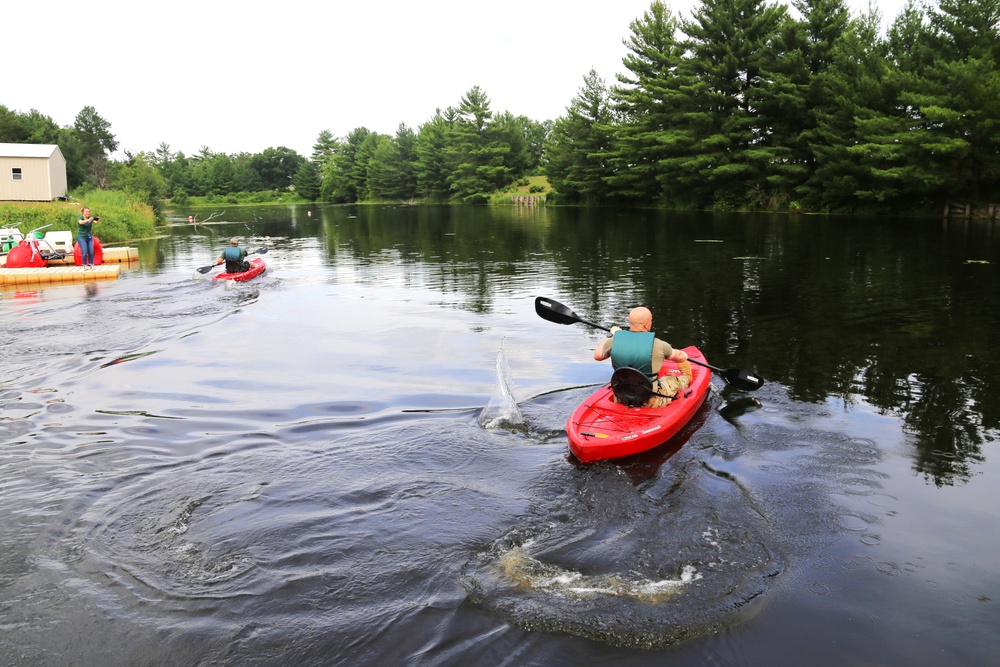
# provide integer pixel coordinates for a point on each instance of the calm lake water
(360, 457)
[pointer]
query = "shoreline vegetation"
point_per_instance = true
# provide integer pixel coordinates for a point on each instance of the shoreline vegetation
(744, 105)
(122, 218)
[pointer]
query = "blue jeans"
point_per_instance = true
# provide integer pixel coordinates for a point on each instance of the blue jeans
(86, 250)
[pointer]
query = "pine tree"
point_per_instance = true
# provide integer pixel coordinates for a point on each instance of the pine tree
(730, 43)
(855, 84)
(578, 152)
(795, 92)
(650, 102)
(431, 166)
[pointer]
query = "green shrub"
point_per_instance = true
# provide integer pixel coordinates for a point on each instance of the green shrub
(122, 218)
(180, 197)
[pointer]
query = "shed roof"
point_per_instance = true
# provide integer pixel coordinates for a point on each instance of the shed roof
(27, 150)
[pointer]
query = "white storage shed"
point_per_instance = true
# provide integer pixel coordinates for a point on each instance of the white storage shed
(32, 172)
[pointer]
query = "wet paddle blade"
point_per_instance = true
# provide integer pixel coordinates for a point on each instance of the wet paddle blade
(553, 311)
(737, 377)
(742, 379)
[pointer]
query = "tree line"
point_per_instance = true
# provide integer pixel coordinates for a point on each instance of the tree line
(745, 105)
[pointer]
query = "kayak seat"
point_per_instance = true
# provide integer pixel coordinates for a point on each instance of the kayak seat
(631, 387)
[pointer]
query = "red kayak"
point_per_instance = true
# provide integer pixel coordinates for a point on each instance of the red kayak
(257, 267)
(601, 429)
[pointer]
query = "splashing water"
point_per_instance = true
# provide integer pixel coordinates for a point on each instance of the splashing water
(502, 411)
(530, 573)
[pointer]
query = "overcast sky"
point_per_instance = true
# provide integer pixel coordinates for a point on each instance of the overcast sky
(241, 77)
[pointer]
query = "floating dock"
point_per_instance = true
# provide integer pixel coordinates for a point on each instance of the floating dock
(64, 271)
(110, 256)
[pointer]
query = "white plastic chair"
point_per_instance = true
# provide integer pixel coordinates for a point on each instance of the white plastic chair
(61, 241)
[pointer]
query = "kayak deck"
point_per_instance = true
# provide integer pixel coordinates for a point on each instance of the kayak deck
(601, 429)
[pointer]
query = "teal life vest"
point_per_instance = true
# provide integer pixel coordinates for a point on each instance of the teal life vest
(233, 256)
(634, 349)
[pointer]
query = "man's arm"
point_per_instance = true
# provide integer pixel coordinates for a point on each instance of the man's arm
(603, 349)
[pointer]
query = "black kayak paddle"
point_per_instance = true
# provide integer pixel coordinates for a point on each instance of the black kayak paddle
(206, 269)
(553, 311)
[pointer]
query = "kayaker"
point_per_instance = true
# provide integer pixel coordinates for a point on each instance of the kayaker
(639, 348)
(85, 237)
(235, 257)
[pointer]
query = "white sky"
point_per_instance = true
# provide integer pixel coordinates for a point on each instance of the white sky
(241, 77)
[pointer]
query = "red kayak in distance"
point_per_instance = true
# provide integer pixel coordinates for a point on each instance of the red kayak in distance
(257, 267)
(600, 429)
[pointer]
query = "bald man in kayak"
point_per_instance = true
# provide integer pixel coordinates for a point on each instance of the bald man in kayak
(639, 348)
(235, 257)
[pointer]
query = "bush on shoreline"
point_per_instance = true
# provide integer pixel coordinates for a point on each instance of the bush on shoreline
(121, 220)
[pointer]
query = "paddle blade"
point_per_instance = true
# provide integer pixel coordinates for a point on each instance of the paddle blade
(742, 379)
(258, 251)
(553, 311)
(205, 269)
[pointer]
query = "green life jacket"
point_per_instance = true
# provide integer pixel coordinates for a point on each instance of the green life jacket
(634, 349)
(233, 255)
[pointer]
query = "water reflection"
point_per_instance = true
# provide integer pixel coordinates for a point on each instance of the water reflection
(898, 313)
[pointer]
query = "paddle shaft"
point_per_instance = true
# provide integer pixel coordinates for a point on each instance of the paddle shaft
(553, 311)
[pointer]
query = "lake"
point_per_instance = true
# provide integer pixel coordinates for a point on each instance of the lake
(360, 457)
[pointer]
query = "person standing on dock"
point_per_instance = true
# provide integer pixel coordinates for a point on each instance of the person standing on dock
(235, 257)
(85, 237)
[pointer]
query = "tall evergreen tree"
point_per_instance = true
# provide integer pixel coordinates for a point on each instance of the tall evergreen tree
(345, 174)
(431, 166)
(307, 181)
(326, 145)
(962, 102)
(391, 170)
(795, 92)
(855, 82)
(891, 141)
(479, 155)
(651, 102)
(579, 148)
(730, 43)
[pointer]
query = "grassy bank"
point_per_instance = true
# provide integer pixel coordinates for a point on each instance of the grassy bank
(240, 199)
(121, 219)
(529, 186)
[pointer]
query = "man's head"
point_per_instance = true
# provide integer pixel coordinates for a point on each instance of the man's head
(234, 241)
(640, 319)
